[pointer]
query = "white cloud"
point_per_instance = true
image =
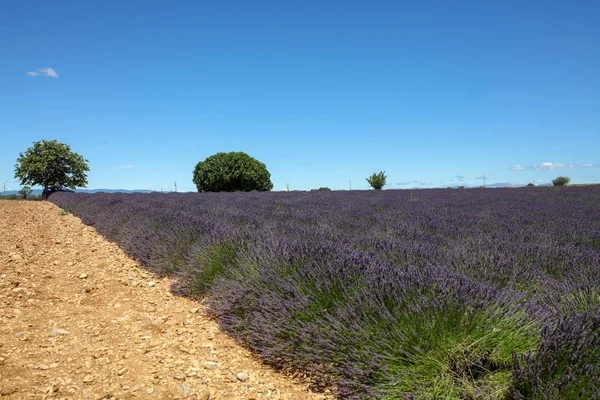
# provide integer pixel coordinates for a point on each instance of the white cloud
(44, 72)
(548, 166)
(124, 166)
(418, 181)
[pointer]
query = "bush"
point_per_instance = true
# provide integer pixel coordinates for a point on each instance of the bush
(231, 172)
(561, 181)
(321, 189)
(25, 191)
(530, 185)
(377, 180)
(567, 363)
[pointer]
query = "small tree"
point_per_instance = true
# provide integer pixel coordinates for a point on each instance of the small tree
(230, 172)
(530, 185)
(377, 180)
(321, 189)
(52, 165)
(561, 181)
(25, 191)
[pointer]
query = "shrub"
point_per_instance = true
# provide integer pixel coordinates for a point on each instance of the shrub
(25, 191)
(321, 189)
(561, 181)
(377, 180)
(530, 185)
(230, 172)
(567, 363)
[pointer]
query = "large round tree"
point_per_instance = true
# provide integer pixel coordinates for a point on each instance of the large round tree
(230, 172)
(51, 165)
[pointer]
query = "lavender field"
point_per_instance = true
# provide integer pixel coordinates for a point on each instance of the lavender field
(442, 293)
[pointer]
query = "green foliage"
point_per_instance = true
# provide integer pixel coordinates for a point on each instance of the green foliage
(561, 181)
(230, 172)
(459, 354)
(52, 165)
(321, 189)
(377, 180)
(212, 264)
(461, 187)
(530, 185)
(25, 191)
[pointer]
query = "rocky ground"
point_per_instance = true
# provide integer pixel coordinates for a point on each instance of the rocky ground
(79, 319)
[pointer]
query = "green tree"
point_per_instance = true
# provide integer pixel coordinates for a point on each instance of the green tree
(321, 189)
(530, 185)
(377, 180)
(25, 191)
(52, 165)
(229, 172)
(561, 181)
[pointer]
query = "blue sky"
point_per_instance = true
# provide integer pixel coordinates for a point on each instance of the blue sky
(436, 93)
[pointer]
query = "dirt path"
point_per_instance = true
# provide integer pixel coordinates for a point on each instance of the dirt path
(79, 319)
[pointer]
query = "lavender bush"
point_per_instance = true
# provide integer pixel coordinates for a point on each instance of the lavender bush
(460, 294)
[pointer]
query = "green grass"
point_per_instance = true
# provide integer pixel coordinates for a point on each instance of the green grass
(212, 263)
(460, 355)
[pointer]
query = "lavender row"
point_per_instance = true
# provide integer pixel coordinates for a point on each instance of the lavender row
(379, 294)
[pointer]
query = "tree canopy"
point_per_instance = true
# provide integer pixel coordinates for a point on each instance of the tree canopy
(52, 165)
(230, 172)
(377, 180)
(561, 181)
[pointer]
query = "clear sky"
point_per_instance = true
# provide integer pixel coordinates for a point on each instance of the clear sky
(436, 93)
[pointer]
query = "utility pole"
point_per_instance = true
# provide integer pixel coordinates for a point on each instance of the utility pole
(350, 184)
(175, 187)
(484, 180)
(4, 190)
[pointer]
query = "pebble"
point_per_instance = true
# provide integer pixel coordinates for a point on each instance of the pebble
(204, 395)
(180, 376)
(151, 284)
(242, 376)
(211, 365)
(59, 332)
(83, 276)
(194, 310)
(185, 389)
(87, 379)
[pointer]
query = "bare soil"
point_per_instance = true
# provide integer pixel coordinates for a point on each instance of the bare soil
(80, 319)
